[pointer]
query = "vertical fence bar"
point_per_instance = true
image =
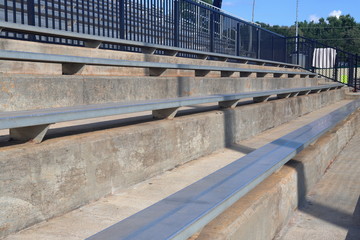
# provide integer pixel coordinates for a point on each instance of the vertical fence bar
(258, 52)
(298, 51)
(176, 22)
(30, 16)
(122, 19)
(335, 69)
(272, 49)
(31, 12)
(212, 31)
(238, 39)
(6, 9)
(356, 84)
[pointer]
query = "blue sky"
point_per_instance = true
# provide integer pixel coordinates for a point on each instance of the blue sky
(283, 12)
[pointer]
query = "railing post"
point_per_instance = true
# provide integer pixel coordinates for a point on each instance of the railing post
(238, 39)
(31, 16)
(176, 22)
(297, 50)
(336, 69)
(212, 31)
(356, 75)
(312, 56)
(351, 71)
(122, 19)
(31, 12)
(285, 49)
(272, 48)
(258, 43)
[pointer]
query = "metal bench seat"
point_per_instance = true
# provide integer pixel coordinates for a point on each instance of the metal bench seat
(33, 124)
(72, 64)
(185, 212)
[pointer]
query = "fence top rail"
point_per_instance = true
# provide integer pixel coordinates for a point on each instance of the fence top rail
(64, 59)
(185, 212)
(322, 44)
(17, 119)
(22, 28)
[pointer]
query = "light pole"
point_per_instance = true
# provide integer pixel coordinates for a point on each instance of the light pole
(296, 24)
(253, 11)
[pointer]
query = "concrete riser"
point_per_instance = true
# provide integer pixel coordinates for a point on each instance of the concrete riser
(42, 181)
(262, 213)
(33, 92)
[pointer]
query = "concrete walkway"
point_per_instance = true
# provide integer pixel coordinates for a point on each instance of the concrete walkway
(332, 207)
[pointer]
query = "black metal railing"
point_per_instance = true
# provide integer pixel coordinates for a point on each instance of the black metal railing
(327, 61)
(179, 23)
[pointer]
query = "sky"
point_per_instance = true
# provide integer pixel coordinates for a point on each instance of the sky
(283, 12)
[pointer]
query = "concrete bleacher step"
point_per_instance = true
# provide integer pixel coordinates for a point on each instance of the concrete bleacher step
(96, 216)
(55, 68)
(26, 92)
(331, 209)
(78, 167)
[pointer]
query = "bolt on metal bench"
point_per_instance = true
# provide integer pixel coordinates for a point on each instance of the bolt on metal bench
(185, 212)
(33, 124)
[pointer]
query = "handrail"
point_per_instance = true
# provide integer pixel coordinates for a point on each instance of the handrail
(21, 28)
(22, 124)
(185, 212)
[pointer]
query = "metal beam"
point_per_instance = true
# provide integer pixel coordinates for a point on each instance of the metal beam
(17, 119)
(64, 59)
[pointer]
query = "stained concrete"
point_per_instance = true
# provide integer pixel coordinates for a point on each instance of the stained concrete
(262, 213)
(96, 216)
(332, 207)
(64, 173)
(19, 92)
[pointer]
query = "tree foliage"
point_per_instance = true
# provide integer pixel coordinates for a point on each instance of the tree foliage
(208, 1)
(342, 32)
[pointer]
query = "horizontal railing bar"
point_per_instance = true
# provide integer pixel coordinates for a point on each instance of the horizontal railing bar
(53, 58)
(16, 119)
(185, 212)
(80, 36)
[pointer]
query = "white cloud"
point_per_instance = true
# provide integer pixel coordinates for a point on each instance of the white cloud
(335, 13)
(314, 18)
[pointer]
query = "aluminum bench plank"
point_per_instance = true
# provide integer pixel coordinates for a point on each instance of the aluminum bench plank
(54, 58)
(185, 212)
(16, 119)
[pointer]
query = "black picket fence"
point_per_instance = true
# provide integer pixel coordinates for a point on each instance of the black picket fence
(327, 61)
(189, 24)
(179, 23)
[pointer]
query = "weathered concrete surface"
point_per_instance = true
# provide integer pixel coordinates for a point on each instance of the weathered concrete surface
(266, 209)
(96, 216)
(332, 208)
(62, 174)
(18, 45)
(19, 67)
(31, 92)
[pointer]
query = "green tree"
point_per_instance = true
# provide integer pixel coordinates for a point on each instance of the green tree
(208, 1)
(342, 32)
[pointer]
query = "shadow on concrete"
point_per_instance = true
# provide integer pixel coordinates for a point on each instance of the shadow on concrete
(298, 166)
(354, 230)
(241, 148)
(230, 123)
(323, 212)
(183, 86)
